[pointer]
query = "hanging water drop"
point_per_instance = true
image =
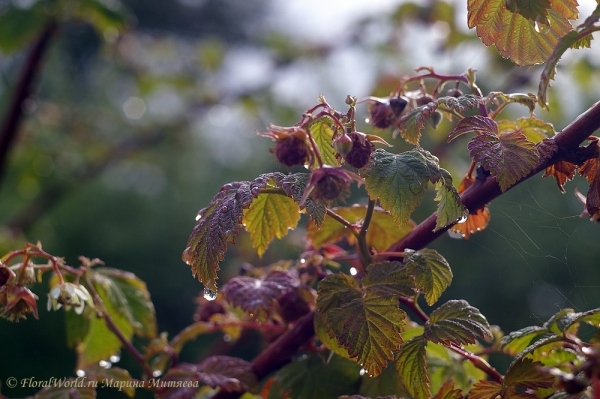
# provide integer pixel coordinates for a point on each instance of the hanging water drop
(115, 358)
(363, 372)
(463, 217)
(198, 217)
(353, 272)
(156, 373)
(209, 294)
(104, 364)
(80, 373)
(541, 24)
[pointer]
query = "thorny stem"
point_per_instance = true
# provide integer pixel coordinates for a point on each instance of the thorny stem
(110, 323)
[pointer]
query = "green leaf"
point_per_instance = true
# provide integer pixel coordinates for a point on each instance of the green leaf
(450, 208)
(389, 280)
(509, 157)
(386, 385)
(269, 216)
(456, 322)
(66, 389)
(591, 317)
(102, 15)
(18, 26)
(382, 232)
(323, 135)
(294, 186)
(530, 9)
(327, 340)
(364, 319)
(526, 374)
(399, 180)
(524, 41)
(431, 271)
(534, 129)
(411, 364)
(133, 299)
(77, 328)
(310, 378)
(447, 391)
(101, 343)
(560, 321)
(477, 124)
(517, 341)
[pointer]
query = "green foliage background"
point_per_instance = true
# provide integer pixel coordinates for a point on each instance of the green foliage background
(126, 191)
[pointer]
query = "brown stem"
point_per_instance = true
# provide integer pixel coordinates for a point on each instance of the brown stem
(110, 323)
(10, 127)
(481, 193)
(279, 352)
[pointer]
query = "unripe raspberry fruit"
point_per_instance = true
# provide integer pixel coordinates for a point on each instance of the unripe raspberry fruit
(329, 187)
(454, 93)
(361, 151)
(291, 151)
(380, 115)
(424, 100)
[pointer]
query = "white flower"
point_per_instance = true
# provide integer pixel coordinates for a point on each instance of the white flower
(70, 295)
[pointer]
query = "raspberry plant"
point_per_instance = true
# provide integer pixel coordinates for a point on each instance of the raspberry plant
(345, 318)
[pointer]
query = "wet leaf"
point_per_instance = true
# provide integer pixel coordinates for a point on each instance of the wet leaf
(517, 341)
(364, 317)
(524, 41)
(431, 272)
(411, 364)
(534, 129)
(294, 186)
(258, 295)
(509, 157)
(456, 322)
(269, 216)
(450, 208)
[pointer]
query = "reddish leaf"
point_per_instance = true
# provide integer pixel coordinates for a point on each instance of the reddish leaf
(524, 41)
(562, 172)
(592, 204)
(485, 390)
(509, 157)
(476, 221)
(258, 295)
(477, 124)
(526, 374)
(589, 169)
(229, 373)
(447, 391)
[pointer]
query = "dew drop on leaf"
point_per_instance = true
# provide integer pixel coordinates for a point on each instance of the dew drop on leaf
(156, 373)
(255, 191)
(541, 26)
(226, 337)
(104, 364)
(209, 294)
(302, 260)
(198, 217)
(115, 358)
(463, 218)
(362, 372)
(224, 209)
(80, 373)
(353, 272)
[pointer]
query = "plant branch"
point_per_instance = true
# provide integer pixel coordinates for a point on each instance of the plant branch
(279, 352)
(564, 145)
(10, 126)
(110, 323)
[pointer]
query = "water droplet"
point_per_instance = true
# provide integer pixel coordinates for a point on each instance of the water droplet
(209, 294)
(104, 364)
(115, 358)
(353, 271)
(156, 373)
(367, 120)
(80, 373)
(302, 260)
(541, 24)
(463, 217)
(255, 191)
(226, 337)
(198, 217)
(362, 372)
(224, 209)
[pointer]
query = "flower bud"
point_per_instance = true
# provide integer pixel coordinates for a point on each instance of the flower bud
(16, 302)
(343, 145)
